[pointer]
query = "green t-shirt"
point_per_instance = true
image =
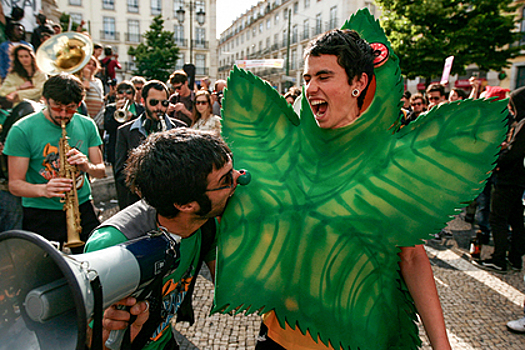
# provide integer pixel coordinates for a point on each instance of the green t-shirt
(175, 285)
(37, 138)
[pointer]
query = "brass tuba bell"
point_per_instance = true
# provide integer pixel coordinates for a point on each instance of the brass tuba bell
(68, 52)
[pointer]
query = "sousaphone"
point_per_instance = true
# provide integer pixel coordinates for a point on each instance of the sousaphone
(68, 52)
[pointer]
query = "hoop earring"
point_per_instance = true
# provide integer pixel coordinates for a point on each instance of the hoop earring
(355, 92)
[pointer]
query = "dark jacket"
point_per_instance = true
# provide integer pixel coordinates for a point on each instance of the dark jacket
(111, 126)
(129, 136)
(510, 169)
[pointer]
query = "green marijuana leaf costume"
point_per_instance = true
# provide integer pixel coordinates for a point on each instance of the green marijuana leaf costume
(315, 235)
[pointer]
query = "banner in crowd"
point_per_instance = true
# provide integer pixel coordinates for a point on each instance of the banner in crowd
(273, 63)
(31, 9)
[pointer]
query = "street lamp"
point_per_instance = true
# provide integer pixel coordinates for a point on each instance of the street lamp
(200, 17)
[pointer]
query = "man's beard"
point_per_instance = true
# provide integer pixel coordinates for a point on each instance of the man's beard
(154, 115)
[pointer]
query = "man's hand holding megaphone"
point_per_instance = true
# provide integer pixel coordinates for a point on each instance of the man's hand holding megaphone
(116, 318)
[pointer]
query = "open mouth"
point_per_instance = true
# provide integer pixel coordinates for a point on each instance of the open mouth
(319, 107)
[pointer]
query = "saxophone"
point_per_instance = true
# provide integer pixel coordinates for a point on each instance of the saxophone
(71, 197)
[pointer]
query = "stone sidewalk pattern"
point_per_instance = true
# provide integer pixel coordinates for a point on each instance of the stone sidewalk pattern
(475, 310)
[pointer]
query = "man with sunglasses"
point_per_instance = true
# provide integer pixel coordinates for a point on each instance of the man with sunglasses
(131, 134)
(138, 82)
(436, 95)
(32, 147)
(125, 93)
(198, 168)
(181, 106)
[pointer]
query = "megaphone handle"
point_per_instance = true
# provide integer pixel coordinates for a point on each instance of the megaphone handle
(115, 339)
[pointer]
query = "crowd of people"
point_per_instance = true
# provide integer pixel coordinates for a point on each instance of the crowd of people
(155, 133)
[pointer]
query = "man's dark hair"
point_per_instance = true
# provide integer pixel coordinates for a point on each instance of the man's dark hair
(436, 87)
(17, 13)
(179, 76)
(126, 84)
(153, 84)
(172, 167)
(64, 89)
(407, 94)
(461, 93)
(10, 31)
(97, 46)
(16, 66)
(108, 51)
(353, 54)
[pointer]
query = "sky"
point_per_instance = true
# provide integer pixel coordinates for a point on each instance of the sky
(229, 10)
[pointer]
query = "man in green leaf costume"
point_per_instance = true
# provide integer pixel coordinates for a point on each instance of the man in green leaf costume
(326, 239)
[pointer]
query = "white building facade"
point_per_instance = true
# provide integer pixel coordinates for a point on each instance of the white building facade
(122, 23)
(263, 31)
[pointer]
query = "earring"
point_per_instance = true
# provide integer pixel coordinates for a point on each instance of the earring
(355, 92)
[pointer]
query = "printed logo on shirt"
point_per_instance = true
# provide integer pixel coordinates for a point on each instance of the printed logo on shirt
(51, 165)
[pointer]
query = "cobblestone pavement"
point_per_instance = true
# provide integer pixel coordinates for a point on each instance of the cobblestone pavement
(476, 304)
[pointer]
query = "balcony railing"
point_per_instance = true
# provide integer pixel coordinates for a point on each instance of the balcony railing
(109, 36)
(181, 42)
(200, 44)
(133, 38)
(202, 70)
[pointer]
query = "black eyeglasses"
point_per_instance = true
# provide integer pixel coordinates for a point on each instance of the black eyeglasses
(201, 102)
(227, 180)
(416, 104)
(434, 98)
(153, 102)
(129, 91)
(178, 87)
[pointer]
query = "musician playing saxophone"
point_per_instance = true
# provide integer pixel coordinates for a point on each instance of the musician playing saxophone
(33, 150)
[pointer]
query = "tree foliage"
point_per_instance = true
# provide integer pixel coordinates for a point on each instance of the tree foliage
(155, 59)
(425, 32)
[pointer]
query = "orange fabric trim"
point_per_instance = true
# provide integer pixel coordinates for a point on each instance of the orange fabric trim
(291, 338)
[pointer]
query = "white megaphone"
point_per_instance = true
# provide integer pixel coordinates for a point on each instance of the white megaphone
(46, 297)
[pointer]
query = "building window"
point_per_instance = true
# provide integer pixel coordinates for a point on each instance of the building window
(306, 4)
(75, 2)
(293, 59)
(260, 45)
(268, 42)
(133, 30)
(76, 17)
(276, 18)
(200, 34)
(333, 17)
(109, 28)
(285, 13)
(242, 38)
(318, 24)
(237, 41)
(180, 61)
(261, 27)
(254, 31)
(295, 8)
(285, 38)
(306, 29)
(108, 4)
(276, 39)
(268, 23)
(247, 35)
(200, 5)
(177, 4)
(295, 30)
(156, 7)
(133, 6)
(200, 64)
(178, 35)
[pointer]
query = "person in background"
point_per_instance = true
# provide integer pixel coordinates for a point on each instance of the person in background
(130, 135)
(57, 28)
(203, 116)
(506, 206)
(139, 83)
(216, 96)
(406, 101)
(24, 80)
(125, 95)
(36, 37)
(94, 92)
(111, 96)
(456, 94)
(435, 95)
(15, 34)
(181, 102)
(291, 95)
